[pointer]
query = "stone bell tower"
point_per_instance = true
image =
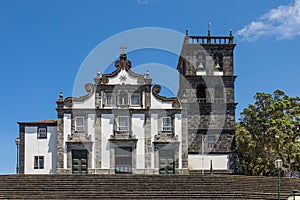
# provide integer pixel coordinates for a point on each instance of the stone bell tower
(207, 92)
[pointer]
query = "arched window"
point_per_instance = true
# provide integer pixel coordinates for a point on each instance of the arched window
(219, 92)
(201, 93)
(200, 62)
(218, 59)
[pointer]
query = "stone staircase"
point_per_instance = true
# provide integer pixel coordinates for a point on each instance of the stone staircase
(143, 187)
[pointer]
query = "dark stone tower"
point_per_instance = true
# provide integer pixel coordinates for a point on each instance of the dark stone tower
(207, 92)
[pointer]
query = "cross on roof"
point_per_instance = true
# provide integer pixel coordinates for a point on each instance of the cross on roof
(123, 47)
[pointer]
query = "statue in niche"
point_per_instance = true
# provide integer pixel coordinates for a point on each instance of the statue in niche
(123, 98)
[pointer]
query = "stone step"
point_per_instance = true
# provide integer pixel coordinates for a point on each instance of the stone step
(143, 187)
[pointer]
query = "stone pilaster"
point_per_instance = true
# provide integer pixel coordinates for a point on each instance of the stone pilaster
(21, 149)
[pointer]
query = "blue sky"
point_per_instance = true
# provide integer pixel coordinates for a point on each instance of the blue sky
(44, 43)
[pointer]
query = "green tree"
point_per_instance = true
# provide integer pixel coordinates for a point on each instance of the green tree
(268, 129)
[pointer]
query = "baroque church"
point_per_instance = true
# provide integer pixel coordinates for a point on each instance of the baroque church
(124, 125)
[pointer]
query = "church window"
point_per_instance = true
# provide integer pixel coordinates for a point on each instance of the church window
(166, 125)
(218, 58)
(201, 93)
(79, 123)
(110, 99)
(200, 64)
(211, 141)
(200, 61)
(135, 99)
(38, 162)
(123, 123)
(42, 133)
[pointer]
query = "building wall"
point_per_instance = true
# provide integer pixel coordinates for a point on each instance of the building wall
(107, 129)
(158, 104)
(138, 129)
(178, 133)
(199, 162)
(67, 131)
(40, 147)
(91, 132)
(154, 131)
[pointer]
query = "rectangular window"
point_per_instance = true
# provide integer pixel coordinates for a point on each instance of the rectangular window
(123, 123)
(110, 99)
(211, 139)
(166, 124)
(38, 162)
(79, 123)
(42, 133)
(135, 99)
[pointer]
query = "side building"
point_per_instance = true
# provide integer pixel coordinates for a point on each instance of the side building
(123, 124)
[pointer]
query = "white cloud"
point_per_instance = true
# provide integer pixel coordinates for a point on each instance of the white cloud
(143, 2)
(282, 22)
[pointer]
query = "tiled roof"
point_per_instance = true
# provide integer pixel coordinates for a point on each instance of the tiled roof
(39, 122)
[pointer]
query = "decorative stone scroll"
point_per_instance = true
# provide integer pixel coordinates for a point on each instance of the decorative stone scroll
(175, 101)
(90, 88)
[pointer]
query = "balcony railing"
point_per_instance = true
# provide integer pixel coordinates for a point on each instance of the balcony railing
(219, 100)
(209, 39)
(201, 100)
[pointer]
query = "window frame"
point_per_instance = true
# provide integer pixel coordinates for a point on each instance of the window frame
(39, 135)
(112, 99)
(76, 124)
(120, 128)
(139, 99)
(210, 141)
(37, 160)
(164, 127)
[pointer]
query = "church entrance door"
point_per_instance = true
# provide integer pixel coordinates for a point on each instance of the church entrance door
(123, 160)
(79, 161)
(166, 162)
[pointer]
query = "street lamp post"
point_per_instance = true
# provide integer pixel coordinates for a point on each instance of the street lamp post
(17, 144)
(278, 166)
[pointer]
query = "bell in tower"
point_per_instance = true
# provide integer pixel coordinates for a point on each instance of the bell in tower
(207, 85)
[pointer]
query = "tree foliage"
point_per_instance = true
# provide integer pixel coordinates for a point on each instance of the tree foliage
(268, 129)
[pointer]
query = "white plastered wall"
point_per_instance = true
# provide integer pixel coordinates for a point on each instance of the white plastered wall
(129, 79)
(178, 118)
(154, 131)
(88, 103)
(159, 104)
(219, 161)
(138, 129)
(107, 127)
(40, 147)
(91, 132)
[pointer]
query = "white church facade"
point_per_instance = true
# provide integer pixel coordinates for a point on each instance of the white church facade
(123, 125)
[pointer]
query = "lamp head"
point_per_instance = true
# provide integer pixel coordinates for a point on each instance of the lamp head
(18, 141)
(278, 163)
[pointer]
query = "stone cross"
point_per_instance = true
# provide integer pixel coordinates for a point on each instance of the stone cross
(123, 47)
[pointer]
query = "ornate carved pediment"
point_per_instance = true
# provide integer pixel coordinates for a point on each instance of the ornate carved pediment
(175, 101)
(121, 64)
(124, 135)
(90, 88)
(79, 138)
(165, 137)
